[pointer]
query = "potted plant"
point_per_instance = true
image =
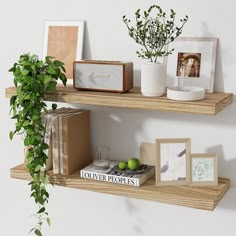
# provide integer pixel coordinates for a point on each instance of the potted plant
(32, 78)
(154, 31)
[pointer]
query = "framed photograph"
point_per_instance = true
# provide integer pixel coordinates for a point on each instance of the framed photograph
(64, 41)
(203, 169)
(172, 166)
(192, 63)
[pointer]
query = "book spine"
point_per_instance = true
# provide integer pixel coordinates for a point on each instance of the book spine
(55, 150)
(47, 140)
(109, 178)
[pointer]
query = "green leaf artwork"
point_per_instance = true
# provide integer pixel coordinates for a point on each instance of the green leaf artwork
(202, 169)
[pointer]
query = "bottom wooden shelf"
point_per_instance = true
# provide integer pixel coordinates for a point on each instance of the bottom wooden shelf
(205, 198)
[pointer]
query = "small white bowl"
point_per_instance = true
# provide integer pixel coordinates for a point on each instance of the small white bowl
(186, 93)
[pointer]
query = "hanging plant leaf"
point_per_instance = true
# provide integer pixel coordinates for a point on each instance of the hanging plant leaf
(32, 78)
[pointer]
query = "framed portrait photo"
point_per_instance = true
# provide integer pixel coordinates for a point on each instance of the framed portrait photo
(172, 166)
(203, 169)
(64, 41)
(192, 63)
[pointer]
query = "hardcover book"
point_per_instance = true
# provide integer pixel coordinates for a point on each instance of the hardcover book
(113, 175)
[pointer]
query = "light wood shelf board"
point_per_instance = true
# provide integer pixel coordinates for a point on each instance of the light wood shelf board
(205, 198)
(211, 105)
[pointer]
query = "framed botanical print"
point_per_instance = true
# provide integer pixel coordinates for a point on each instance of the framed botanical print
(203, 169)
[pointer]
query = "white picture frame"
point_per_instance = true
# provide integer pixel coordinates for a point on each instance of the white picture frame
(201, 56)
(64, 40)
(172, 164)
(204, 170)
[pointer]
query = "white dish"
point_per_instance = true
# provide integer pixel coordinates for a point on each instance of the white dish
(186, 93)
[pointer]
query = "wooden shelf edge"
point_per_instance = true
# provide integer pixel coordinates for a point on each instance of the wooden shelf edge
(205, 198)
(211, 105)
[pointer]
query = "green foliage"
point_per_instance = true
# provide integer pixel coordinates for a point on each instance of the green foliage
(32, 78)
(154, 31)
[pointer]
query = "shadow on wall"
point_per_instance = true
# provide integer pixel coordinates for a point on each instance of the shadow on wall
(218, 80)
(87, 54)
(132, 210)
(229, 166)
(225, 166)
(118, 133)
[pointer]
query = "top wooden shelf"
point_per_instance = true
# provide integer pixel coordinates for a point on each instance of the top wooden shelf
(211, 105)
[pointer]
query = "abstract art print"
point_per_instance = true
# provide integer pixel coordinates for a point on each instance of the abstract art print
(64, 41)
(172, 161)
(204, 171)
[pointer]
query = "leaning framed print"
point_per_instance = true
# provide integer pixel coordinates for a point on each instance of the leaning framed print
(64, 41)
(172, 166)
(203, 169)
(192, 63)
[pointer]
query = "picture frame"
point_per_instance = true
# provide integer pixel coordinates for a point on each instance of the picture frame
(64, 40)
(204, 170)
(172, 163)
(192, 63)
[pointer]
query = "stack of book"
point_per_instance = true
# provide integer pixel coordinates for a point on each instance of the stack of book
(68, 136)
(113, 175)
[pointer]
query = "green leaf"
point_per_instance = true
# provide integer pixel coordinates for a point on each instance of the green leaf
(26, 123)
(63, 68)
(26, 142)
(38, 232)
(58, 63)
(52, 86)
(38, 168)
(11, 134)
(12, 100)
(54, 106)
(51, 70)
(24, 72)
(48, 221)
(63, 79)
(41, 210)
(47, 79)
(45, 146)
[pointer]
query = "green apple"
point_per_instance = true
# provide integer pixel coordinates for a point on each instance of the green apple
(122, 165)
(133, 163)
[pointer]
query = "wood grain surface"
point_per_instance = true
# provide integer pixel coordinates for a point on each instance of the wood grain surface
(211, 105)
(205, 198)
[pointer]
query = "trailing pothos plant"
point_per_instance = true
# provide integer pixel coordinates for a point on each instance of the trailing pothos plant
(32, 78)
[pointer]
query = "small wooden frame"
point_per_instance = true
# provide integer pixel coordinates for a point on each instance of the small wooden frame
(203, 169)
(172, 166)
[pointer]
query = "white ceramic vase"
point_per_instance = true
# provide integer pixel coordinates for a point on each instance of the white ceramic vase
(153, 79)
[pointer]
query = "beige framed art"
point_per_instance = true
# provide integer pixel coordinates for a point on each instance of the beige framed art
(192, 63)
(204, 170)
(64, 41)
(172, 161)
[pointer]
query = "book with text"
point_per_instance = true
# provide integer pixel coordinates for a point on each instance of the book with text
(118, 177)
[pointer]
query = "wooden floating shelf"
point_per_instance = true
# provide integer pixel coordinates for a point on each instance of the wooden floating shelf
(205, 198)
(211, 105)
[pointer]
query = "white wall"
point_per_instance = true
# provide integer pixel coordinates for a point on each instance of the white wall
(77, 212)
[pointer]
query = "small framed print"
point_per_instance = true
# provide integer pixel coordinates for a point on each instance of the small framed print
(64, 41)
(172, 166)
(203, 169)
(192, 63)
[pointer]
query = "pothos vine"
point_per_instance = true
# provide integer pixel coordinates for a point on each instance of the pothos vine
(32, 78)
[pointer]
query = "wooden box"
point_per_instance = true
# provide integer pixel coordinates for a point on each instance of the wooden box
(110, 76)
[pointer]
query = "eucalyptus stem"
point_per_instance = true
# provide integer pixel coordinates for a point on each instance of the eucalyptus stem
(154, 31)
